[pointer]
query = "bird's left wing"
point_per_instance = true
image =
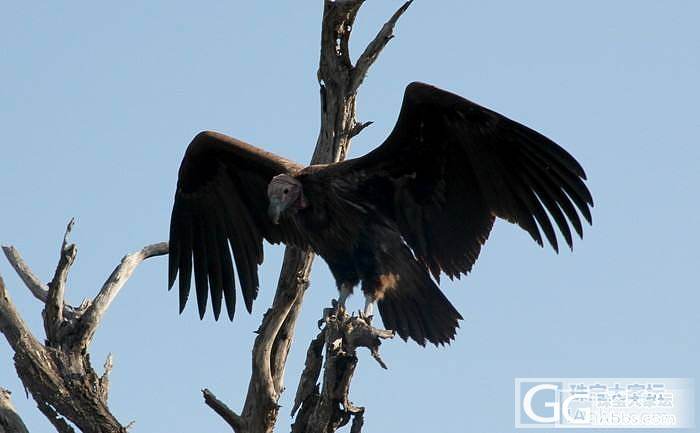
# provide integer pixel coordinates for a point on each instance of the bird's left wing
(221, 202)
(454, 166)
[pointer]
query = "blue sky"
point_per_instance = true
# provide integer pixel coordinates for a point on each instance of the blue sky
(99, 101)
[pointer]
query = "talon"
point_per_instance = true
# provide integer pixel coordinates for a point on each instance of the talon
(340, 310)
(345, 291)
(366, 317)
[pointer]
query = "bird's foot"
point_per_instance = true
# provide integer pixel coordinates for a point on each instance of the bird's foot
(345, 332)
(340, 311)
(336, 310)
(366, 317)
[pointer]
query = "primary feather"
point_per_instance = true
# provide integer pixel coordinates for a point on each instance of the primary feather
(422, 203)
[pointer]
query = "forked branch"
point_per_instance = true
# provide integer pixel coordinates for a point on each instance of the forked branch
(59, 374)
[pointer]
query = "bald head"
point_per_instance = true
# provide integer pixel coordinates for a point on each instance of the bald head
(284, 192)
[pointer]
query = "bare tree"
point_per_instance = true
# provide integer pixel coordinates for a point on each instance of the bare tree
(59, 375)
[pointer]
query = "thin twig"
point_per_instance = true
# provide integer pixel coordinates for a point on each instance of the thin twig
(53, 311)
(91, 319)
(33, 283)
(375, 47)
(234, 420)
(104, 379)
(359, 127)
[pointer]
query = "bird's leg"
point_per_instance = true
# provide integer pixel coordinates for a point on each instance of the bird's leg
(337, 308)
(368, 310)
(345, 292)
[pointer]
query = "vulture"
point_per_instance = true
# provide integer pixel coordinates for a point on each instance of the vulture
(392, 221)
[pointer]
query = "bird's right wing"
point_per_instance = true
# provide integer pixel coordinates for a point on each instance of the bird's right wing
(221, 202)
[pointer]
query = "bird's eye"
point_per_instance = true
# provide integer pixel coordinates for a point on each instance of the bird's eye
(285, 191)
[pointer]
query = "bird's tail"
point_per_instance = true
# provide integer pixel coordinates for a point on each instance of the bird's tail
(415, 307)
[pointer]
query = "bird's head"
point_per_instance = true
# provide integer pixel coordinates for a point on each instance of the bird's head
(285, 193)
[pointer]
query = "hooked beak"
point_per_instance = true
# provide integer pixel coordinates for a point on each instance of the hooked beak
(275, 210)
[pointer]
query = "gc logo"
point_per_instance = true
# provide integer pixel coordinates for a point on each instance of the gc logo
(548, 404)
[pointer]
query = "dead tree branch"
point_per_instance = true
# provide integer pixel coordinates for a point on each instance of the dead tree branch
(375, 47)
(236, 422)
(53, 312)
(339, 81)
(330, 409)
(59, 374)
(110, 289)
(37, 287)
(10, 421)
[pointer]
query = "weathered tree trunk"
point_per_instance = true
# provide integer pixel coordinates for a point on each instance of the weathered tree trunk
(339, 81)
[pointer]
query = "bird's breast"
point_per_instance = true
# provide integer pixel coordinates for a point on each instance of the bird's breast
(330, 231)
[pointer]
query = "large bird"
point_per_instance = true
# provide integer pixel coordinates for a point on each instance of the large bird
(420, 205)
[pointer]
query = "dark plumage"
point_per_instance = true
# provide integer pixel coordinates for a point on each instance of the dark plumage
(422, 203)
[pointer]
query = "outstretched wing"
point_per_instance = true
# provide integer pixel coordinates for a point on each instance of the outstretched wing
(456, 165)
(221, 203)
